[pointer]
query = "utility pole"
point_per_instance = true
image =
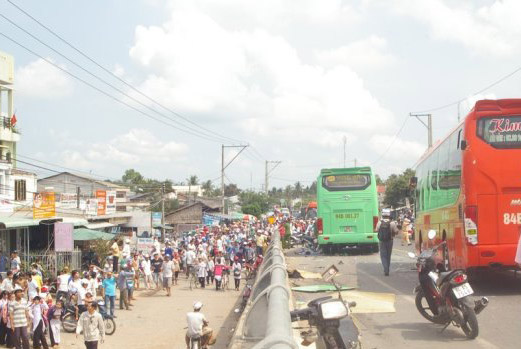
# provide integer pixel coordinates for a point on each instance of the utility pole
(345, 141)
(223, 166)
(163, 212)
(267, 173)
(428, 125)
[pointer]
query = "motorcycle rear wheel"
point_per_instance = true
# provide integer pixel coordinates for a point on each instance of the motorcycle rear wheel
(69, 323)
(470, 327)
(424, 309)
(110, 326)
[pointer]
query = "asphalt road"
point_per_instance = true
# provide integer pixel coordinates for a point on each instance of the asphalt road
(499, 323)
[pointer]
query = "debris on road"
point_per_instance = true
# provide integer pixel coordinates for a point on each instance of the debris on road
(371, 302)
(303, 274)
(320, 288)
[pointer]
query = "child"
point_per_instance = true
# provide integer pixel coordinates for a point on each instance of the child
(3, 308)
(9, 340)
(36, 312)
(55, 317)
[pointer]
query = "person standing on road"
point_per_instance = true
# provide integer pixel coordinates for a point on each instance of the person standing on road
(109, 292)
(93, 327)
(168, 273)
(190, 260)
(147, 271)
(115, 255)
(55, 317)
(237, 271)
(123, 293)
(202, 272)
(19, 316)
(36, 311)
(156, 264)
(177, 267)
(406, 224)
(387, 230)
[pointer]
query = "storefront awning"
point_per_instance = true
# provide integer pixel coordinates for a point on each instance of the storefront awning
(78, 222)
(17, 222)
(84, 234)
(99, 225)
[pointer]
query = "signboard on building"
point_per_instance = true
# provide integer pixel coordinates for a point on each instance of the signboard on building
(110, 202)
(63, 237)
(44, 205)
(91, 207)
(145, 245)
(101, 195)
(156, 218)
(68, 200)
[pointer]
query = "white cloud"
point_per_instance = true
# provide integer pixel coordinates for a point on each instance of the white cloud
(135, 148)
(491, 29)
(366, 54)
(197, 65)
(405, 151)
(39, 79)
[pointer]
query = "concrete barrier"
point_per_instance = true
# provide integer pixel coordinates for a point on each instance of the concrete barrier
(266, 321)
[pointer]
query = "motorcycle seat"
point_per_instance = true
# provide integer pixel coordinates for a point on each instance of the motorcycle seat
(442, 276)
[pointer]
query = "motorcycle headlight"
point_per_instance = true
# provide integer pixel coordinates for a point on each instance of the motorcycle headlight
(333, 310)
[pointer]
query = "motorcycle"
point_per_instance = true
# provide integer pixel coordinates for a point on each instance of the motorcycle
(69, 322)
(332, 318)
(447, 293)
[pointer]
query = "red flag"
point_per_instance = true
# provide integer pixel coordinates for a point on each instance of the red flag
(13, 120)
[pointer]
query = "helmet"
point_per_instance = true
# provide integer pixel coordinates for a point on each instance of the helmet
(198, 305)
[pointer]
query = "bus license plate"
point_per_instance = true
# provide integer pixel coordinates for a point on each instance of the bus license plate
(462, 291)
(347, 229)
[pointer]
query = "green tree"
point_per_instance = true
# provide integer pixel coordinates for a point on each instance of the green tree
(231, 190)
(254, 203)
(378, 180)
(397, 188)
(207, 188)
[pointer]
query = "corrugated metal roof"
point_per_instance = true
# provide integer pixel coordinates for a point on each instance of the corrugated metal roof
(17, 222)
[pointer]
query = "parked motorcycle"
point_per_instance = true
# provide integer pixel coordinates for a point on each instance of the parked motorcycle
(69, 322)
(332, 318)
(443, 297)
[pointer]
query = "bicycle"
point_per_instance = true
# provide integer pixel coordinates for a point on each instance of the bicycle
(194, 280)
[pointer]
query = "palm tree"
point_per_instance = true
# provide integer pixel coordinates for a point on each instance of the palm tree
(207, 188)
(192, 180)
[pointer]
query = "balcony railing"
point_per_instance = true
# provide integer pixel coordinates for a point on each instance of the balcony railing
(5, 122)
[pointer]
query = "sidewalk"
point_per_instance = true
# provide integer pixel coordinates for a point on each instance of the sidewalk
(158, 322)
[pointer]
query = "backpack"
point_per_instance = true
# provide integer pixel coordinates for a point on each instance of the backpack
(384, 232)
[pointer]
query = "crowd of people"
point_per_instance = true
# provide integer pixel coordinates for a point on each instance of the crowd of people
(29, 310)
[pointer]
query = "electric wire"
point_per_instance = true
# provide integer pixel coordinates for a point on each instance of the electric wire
(119, 78)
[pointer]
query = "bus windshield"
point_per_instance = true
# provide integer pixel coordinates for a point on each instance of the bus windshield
(501, 132)
(346, 182)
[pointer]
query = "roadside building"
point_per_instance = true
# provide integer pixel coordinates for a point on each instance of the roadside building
(191, 216)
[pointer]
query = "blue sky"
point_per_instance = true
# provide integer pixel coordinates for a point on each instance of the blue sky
(290, 79)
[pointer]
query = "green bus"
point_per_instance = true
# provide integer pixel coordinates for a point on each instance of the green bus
(347, 209)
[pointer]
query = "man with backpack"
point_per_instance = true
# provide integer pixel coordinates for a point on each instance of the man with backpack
(387, 230)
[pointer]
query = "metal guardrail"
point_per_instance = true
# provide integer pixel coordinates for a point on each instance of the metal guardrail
(268, 320)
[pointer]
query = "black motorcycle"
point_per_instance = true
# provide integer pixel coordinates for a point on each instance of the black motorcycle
(332, 318)
(443, 297)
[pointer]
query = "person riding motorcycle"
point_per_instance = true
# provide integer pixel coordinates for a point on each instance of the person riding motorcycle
(198, 327)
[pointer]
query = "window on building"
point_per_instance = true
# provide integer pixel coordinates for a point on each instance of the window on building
(20, 190)
(120, 194)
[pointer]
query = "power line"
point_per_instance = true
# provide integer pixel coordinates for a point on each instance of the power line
(104, 92)
(117, 77)
(392, 142)
(474, 94)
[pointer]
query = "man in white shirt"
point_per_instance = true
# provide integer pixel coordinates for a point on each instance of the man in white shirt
(7, 283)
(190, 259)
(198, 326)
(32, 288)
(82, 292)
(168, 272)
(145, 266)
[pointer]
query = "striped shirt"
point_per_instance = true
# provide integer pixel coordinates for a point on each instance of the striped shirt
(18, 310)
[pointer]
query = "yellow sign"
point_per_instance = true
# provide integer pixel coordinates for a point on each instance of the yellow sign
(44, 205)
(271, 219)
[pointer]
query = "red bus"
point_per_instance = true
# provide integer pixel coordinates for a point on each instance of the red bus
(469, 188)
